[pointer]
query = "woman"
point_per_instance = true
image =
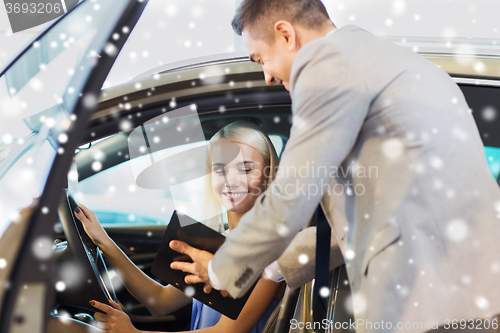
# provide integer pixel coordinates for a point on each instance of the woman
(235, 184)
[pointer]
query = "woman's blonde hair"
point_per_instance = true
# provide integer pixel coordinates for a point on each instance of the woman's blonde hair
(238, 132)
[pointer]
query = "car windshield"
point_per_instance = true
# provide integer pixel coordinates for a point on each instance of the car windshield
(36, 94)
(113, 193)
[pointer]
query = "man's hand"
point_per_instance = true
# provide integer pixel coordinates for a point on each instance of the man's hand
(198, 268)
(207, 288)
(113, 320)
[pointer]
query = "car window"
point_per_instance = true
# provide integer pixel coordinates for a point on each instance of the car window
(113, 193)
(485, 104)
(493, 158)
(37, 93)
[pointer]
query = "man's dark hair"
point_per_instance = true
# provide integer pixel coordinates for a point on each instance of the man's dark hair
(310, 14)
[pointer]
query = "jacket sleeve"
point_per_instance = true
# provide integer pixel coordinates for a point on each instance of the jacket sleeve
(329, 105)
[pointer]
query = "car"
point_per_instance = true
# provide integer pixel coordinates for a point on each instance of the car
(70, 141)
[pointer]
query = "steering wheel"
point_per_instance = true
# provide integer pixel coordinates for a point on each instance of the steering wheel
(82, 274)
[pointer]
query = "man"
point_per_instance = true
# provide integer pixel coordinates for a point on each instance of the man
(412, 204)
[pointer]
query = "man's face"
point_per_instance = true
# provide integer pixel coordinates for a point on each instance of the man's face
(276, 59)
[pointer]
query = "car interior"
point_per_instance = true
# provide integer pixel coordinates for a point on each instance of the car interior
(139, 233)
(139, 237)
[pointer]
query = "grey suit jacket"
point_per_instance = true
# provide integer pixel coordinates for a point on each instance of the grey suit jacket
(387, 142)
(299, 270)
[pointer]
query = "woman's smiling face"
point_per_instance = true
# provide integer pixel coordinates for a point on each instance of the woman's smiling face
(237, 183)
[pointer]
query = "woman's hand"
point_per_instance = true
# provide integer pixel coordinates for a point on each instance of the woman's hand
(92, 226)
(113, 320)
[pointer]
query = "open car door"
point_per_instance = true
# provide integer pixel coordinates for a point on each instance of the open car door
(47, 94)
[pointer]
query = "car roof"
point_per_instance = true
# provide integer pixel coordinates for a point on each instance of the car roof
(230, 87)
(452, 54)
(232, 82)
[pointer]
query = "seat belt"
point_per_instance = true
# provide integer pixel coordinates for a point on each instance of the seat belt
(323, 240)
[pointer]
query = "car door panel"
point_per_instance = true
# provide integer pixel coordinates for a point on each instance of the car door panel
(31, 272)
